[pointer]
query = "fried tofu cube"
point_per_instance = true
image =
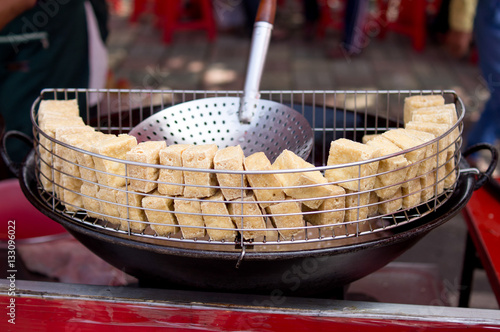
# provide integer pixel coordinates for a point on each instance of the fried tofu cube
(391, 205)
(395, 168)
(160, 214)
(430, 161)
(131, 211)
(415, 102)
(302, 185)
(373, 204)
(446, 114)
(286, 215)
(188, 213)
(411, 194)
(246, 215)
(57, 108)
(116, 147)
(174, 179)
(437, 130)
(259, 162)
(230, 159)
(85, 161)
(147, 153)
(330, 212)
(200, 184)
(89, 199)
(367, 138)
(216, 215)
(450, 172)
(107, 206)
(428, 184)
(441, 177)
(357, 205)
(344, 151)
(404, 141)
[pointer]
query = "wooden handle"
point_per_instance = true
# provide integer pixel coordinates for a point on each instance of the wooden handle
(266, 12)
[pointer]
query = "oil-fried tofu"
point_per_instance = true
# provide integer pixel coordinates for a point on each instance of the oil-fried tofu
(173, 179)
(216, 215)
(115, 147)
(331, 211)
(160, 214)
(404, 141)
(107, 206)
(437, 130)
(302, 185)
(131, 211)
(446, 114)
(356, 205)
(188, 213)
(411, 194)
(373, 204)
(344, 151)
(199, 184)
(450, 172)
(89, 199)
(369, 137)
(57, 108)
(147, 153)
(395, 168)
(287, 215)
(430, 161)
(230, 159)
(415, 102)
(392, 204)
(259, 162)
(247, 216)
(428, 184)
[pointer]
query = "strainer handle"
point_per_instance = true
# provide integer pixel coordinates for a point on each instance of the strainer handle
(483, 177)
(260, 42)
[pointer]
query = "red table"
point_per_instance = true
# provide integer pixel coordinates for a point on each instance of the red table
(482, 215)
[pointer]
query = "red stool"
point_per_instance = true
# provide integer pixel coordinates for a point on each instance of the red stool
(330, 17)
(176, 16)
(410, 19)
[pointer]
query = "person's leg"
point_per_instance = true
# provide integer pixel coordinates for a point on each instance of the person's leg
(487, 35)
(353, 26)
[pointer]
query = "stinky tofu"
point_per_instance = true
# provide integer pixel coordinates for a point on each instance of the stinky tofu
(259, 162)
(373, 203)
(437, 130)
(285, 215)
(430, 161)
(230, 159)
(107, 206)
(411, 194)
(310, 184)
(246, 215)
(160, 214)
(85, 161)
(331, 211)
(89, 199)
(201, 184)
(131, 210)
(188, 213)
(356, 205)
(344, 151)
(115, 147)
(143, 179)
(420, 101)
(392, 204)
(174, 179)
(216, 214)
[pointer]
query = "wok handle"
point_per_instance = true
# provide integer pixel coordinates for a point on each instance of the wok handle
(14, 167)
(483, 177)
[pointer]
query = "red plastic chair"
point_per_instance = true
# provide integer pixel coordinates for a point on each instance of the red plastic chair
(409, 19)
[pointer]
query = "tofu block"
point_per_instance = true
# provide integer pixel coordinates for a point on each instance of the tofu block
(430, 160)
(216, 214)
(404, 141)
(312, 183)
(441, 175)
(437, 130)
(174, 179)
(115, 147)
(89, 201)
(325, 216)
(369, 137)
(160, 214)
(450, 172)
(252, 217)
(70, 193)
(132, 211)
(231, 159)
(287, 219)
(428, 184)
(61, 108)
(395, 166)
(147, 153)
(259, 162)
(357, 206)
(391, 205)
(184, 212)
(199, 156)
(107, 206)
(344, 151)
(373, 204)
(446, 114)
(411, 194)
(415, 102)
(85, 161)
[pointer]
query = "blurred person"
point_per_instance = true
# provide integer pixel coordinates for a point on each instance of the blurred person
(480, 19)
(48, 44)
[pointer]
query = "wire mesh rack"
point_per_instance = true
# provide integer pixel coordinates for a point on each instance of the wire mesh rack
(311, 209)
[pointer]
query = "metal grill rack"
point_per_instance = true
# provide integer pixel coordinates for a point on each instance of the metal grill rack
(332, 115)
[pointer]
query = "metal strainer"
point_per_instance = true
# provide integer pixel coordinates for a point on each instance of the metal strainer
(254, 124)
